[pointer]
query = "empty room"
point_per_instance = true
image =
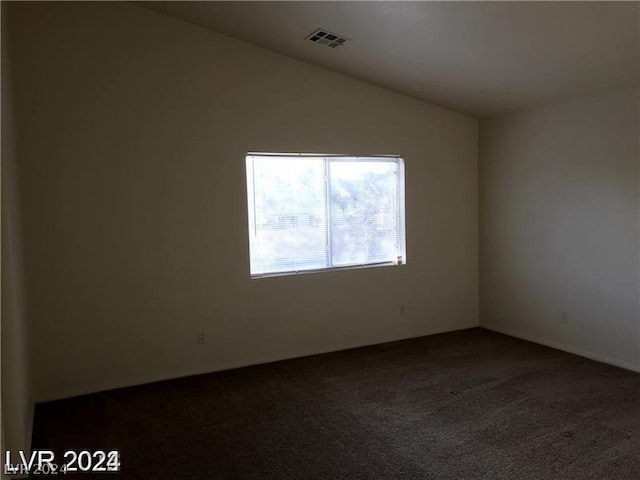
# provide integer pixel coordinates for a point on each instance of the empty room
(321, 240)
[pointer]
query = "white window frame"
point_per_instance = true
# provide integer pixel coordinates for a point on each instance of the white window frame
(401, 218)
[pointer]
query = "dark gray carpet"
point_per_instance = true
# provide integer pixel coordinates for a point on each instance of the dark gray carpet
(463, 405)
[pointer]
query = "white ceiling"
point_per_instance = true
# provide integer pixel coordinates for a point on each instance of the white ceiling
(479, 58)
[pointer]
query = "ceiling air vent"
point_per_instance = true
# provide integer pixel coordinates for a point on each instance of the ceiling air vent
(327, 38)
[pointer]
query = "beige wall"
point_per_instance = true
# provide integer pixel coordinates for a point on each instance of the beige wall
(131, 132)
(17, 404)
(559, 226)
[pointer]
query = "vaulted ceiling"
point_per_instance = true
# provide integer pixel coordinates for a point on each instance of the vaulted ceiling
(479, 58)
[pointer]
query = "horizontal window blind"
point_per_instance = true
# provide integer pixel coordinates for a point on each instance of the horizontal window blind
(310, 212)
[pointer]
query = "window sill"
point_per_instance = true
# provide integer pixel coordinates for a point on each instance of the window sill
(332, 269)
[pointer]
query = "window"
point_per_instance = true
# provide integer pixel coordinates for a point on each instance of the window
(317, 212)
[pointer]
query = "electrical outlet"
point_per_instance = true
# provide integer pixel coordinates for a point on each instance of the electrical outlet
(200, 339)
(403, 310)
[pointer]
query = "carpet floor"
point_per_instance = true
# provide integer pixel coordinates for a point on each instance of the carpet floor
(471, 404)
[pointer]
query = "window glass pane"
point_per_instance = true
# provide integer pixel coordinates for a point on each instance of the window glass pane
(287, 214)
(364, 212)
(309, 212)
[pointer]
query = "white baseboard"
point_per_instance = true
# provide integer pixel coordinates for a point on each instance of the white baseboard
(567, 348)
(206, 369)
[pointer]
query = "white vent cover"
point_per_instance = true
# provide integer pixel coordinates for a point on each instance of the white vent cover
(327, 38)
